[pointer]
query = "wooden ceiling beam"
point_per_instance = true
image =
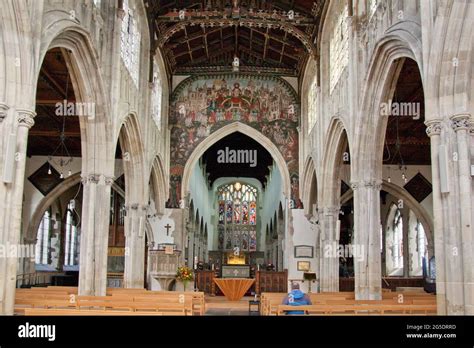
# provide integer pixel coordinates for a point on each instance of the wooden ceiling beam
(55, 84)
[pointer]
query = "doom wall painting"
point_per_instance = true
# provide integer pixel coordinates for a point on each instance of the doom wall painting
(202, 105)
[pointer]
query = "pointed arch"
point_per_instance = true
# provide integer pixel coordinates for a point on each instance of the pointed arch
(222, 133)
(158, 182)
(337, 141)
(403, 40)
(134, 161)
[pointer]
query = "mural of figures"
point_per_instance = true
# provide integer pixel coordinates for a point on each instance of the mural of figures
(202, 105)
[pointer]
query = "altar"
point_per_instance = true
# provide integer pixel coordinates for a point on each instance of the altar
(234, 288)
(235, 271)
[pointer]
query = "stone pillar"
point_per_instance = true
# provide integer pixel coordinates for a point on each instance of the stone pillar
(329, 277)
(12, 212)
(367, 267)
(433, 130)
(134, 247)
(94, 234)
(190, 249)
(461, 126)
(405, 240)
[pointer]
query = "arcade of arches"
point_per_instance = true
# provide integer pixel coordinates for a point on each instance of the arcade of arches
(325, 143)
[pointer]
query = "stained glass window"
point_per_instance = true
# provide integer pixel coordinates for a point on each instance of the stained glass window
(339, 48)
(156, 95)
(237, 217)
(130, 43)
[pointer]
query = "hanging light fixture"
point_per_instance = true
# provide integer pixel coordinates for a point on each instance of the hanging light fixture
(61, 151)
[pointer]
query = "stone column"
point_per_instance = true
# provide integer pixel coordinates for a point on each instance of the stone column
(329, 277)
(94, 234)
(12, 217)
(405, 241)
(367, 267)
(433, 130)
(134, 247)
(190, 249)
(461, 126)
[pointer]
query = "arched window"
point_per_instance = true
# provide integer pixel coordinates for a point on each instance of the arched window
(313, 104)
(156, 95)
(237, 211)
(398, 240)
(71, 252)
(130, 43)
(338, 47)
(42, 241)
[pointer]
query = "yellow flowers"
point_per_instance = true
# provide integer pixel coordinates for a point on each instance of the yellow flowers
(184, 274)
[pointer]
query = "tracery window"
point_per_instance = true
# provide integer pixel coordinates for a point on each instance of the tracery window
(130, 43)
(71, 237)
(339, 48)
(398, 239)
(42, 241)
(156, 95)
(237, 211)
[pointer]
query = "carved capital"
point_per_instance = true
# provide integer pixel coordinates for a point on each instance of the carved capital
(331, 211)
(108, 180)
(25, 118)
(371, 184)
(3, 111)
(433, 128)
(460, 122)
(90, 179)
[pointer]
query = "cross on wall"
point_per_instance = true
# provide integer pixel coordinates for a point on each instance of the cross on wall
(167, 227)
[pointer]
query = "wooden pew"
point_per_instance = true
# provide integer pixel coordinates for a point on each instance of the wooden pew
(69, 312)
(360, 309)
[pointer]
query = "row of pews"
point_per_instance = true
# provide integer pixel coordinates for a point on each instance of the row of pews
(344, 303)
(58, 300)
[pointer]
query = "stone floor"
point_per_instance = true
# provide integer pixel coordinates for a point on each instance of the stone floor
(219, 305)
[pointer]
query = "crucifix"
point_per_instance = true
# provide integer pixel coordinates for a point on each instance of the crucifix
(168, 226)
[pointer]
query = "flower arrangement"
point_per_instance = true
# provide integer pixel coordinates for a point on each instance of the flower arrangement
(184, 274)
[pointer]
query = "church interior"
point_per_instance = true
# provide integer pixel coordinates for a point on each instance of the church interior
(178, 157)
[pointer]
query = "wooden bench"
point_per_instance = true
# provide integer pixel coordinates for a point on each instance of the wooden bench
(69, 312)
(360, 309)
(173, 303)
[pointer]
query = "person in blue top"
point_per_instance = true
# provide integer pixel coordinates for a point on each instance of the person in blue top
(296, 298)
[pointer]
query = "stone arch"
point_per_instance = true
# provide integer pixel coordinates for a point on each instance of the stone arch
(336, 142)
(448, 87)
(411, 203)
(88, 88)
(309, 186)
(222, 133)
(47, 201)
(403, 40)
(158, 183)
(134, 162)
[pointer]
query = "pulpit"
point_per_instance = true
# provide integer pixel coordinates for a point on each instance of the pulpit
(163, 266)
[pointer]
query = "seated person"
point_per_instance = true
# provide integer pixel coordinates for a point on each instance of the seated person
(296, 298)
